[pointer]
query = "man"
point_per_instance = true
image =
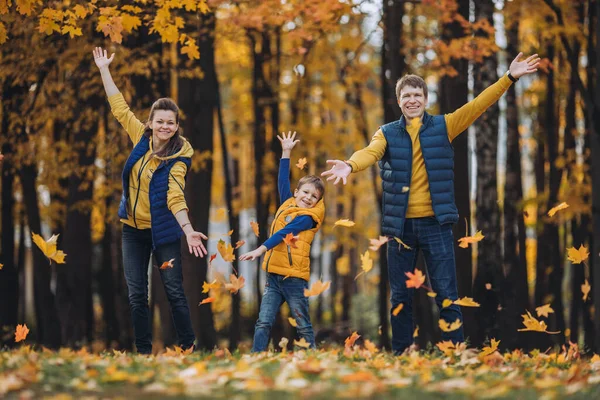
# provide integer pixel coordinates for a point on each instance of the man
(417, 169)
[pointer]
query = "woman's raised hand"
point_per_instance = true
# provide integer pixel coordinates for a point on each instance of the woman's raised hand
(101, 58)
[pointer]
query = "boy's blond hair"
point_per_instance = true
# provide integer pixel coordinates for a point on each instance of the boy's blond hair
(314, 180)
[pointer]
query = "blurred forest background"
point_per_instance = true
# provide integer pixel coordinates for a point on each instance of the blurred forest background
(243, 71)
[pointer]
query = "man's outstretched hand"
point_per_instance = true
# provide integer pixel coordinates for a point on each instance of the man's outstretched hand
(528, 66)
(339, 170)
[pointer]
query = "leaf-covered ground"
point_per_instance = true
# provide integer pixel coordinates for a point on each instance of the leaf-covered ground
(347, 373)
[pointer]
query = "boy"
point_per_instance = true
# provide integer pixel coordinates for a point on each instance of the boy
(288, 266)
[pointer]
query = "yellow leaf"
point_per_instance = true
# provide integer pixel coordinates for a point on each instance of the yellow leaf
(407, 247)
(431, 294)
(49, 248)
(350, 340)
(416, 332)
(532, 324)
(235, 283)
(3, 34)
(220, 214)
(317, 288)
(225, 250)
(130, 22)
(25, 7)
(466, 302)
(343, 265)
(446, 347)
(446, 303)
(490, 349)
(344, 222)
(377, 243)
(21, 333)
(1, 266)
(239, 244)
(254, 226)
(557, 208)
(366, 263)
(207, 286)
(301, 163)
(405, 189)
(577, 256)
(446, 327)
(415, 280)
(585, 289)
(370, 346)
(397, 309)
(112, 26)
(595, 359)
(230, 233)
(191, 49)
(302, 343)
(544, 310)
(465, 241)
(80, 11)
(293, 322)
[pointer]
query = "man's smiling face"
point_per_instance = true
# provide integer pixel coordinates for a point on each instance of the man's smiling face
(412, 102)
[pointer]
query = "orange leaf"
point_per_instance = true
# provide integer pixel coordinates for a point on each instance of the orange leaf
(236, 283)
(207, 286)
(532, 324)
(212, 257)
(207, 300)
(239, 243)
(466, 302)
(317, 288)
(377, 243)
(21, 333)
(415, 280)
(577, 256)
(557, 208)
(254, 226)
(585, 289)
(230, 233)
(225, 250)
(488, 286)
(486, 351)
(465, 241)
(446, 347)
(366, 263)
(446, 327)
(302, 343)
(291, 240)
(167, 264)
(397, 309)
(293, 322)
(1, 266)
(544, 310)
(370, 346)
(349, 342)
(416, 332)
(344, 222)
(301, 163)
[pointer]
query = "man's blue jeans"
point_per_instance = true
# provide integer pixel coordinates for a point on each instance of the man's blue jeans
(437, 244)
(137, 248)
(277, 290)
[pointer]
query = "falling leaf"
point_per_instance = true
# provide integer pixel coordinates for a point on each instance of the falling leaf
(230, 232)
(466, 302)
(488, 286)
(317, 288)
(167, 264)
(415, 280)
(446, 303)
(48, 247)
(301, 163)
(254, 226)
(207, 300)
(342, 265)
(397, 309)
(377, 243)
(221, 214)
(543, 311)
(465, 241)
(486, 351)
(207, 286)
(302, 343)
(1, 266)
(370, 346)
(21, 333)
(212, 257)
(557, 208)
(585, 289)
(236, 283)
(431, 294)
(416, 332)
(532, 324)
(366, 263)
(446, 327)
(577, 256)
(291, 240)
(407, 247)
(349, 342)
(239, 244)
(405, 189)
(293, 322)
(1, 156)
(344, 222)
(225, 250)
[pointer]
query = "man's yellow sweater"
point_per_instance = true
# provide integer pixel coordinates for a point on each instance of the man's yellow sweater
(419, 200)
(138, 209)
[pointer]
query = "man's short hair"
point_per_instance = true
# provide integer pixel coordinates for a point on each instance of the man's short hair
(410, 80)
(314, 180)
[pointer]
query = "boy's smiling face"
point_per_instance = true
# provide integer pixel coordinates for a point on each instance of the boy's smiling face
(307, 196)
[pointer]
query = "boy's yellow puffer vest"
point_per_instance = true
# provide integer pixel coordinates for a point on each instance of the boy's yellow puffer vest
(286, 260)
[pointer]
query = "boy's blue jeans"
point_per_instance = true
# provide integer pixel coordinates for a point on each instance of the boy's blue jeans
(137, 248)
(277, 290)
(437, 244)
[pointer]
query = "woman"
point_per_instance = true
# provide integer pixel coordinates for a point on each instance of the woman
(153, 208)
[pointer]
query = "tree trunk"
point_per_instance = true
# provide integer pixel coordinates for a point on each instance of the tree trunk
(9, 277)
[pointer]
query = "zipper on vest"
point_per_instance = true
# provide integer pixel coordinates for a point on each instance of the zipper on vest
(137, 195)
(271, 234)
(290, 255)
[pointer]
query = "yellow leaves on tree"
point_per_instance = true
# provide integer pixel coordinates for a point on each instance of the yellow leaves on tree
(415, 280)
(366, 264)
(3, 37)
(49, 248)
(301, 163)
(465, 241)
(447, 327)
(375, 244)
(254, 226)
(532, 324)
(585, 289)
(189, 47)
(557, 208)
(225, 250)
(543, 311)
(111, 24)
(291, 240)
(21, 333)
(317, 288)
(344, 222)
(350, 340)
(466, 302)
(167, 264)
(577, 256)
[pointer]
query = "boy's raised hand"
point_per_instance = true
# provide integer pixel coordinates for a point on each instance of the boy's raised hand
(287, 143)
(101, 57)
(519, 67)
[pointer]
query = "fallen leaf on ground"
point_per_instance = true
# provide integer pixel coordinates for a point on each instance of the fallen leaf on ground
(317, 288)
(48, 247)
(557, 208)
(350, 340)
